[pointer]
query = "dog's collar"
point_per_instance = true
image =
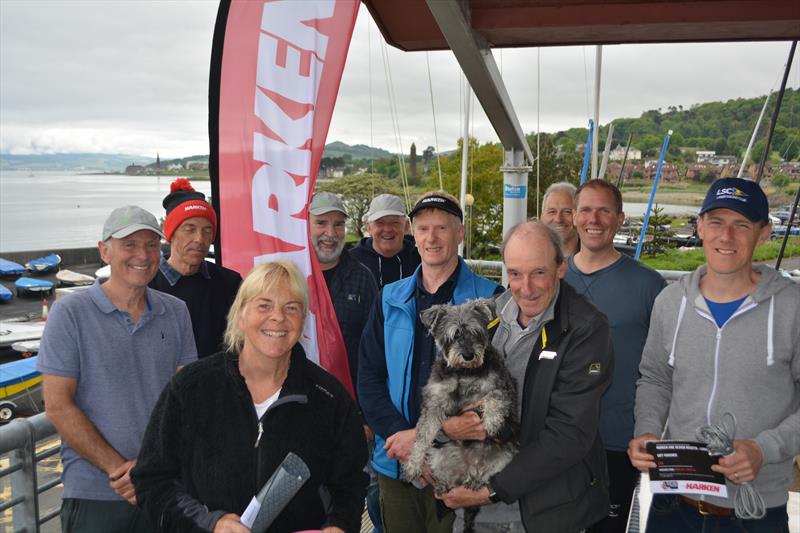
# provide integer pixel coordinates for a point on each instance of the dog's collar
(493, 323)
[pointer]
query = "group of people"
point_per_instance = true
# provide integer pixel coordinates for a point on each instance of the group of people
(605, 357)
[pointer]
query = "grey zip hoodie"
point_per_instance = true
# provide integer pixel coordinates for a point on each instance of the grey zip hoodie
(694, 372)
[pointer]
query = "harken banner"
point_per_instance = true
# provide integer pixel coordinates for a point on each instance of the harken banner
(275, 73)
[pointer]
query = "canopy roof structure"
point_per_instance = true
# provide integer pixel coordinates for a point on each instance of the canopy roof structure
(410, 25)
(471, 28)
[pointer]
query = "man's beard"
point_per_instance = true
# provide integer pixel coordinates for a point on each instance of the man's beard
(328, 256)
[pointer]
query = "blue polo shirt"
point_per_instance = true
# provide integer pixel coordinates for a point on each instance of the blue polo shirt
(120, 365)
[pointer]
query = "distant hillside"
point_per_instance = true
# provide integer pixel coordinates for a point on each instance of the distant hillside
(358, 151)
(724, 127)
(71, 162)
(179, 161)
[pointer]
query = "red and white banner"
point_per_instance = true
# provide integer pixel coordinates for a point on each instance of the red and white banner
(275, 73)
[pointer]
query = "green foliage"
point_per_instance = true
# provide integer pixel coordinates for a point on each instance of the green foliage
(656, 225)
(780, 181)
(358, 190)
(688, 260)
(724, 127)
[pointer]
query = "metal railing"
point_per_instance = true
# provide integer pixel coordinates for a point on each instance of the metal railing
(496, 267)
(18, 440)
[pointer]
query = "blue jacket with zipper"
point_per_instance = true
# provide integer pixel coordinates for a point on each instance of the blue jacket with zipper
(385, 358)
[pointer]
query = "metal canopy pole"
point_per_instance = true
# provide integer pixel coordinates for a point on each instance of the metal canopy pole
(477, 62)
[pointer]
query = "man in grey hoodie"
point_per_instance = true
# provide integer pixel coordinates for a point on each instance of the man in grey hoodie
(725, 339)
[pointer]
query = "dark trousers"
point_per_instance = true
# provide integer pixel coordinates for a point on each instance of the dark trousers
(407, 509)
(101, 516)
(668, 514)
(622, 482)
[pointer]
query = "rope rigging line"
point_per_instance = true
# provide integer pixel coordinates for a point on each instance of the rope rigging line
(433, 112)
(369, 75)
(395, 122)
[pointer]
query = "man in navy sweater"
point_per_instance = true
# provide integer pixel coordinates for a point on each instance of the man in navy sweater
(207, 289)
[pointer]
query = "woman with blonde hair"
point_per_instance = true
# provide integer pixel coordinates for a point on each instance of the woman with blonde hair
(225, 423)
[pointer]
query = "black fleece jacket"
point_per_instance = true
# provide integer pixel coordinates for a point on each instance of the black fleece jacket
(203, 455)
(387, 270)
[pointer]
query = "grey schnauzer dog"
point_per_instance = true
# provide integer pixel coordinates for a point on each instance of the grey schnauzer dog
(469, 373)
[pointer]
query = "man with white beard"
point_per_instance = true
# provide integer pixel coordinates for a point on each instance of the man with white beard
(350, 284)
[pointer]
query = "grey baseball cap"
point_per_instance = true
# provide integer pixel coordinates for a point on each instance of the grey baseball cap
(325, 202)
(129, 219)
(385, 205)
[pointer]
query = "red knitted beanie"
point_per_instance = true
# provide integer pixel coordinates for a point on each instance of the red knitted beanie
(184, 202)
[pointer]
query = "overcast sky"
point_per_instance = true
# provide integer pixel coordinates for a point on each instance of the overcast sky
(132, 77)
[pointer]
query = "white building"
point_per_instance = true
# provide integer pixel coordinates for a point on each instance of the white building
(618, 154)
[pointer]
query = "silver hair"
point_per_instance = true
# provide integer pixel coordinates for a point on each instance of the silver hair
(560, 186)
(532, 226)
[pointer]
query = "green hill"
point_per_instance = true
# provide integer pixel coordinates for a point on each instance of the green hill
(724, 127)
(358, 151)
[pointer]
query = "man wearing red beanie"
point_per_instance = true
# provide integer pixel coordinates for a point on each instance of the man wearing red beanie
(207, 288)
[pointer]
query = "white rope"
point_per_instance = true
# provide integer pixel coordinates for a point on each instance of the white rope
(433, 112)
(395, 121)
(748, 504)
(538, 116)
(371, 122)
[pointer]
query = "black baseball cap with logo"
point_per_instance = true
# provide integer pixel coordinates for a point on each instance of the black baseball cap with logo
(741, 195)
(436, 201)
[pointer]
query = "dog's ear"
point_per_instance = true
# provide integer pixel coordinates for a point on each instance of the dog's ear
(430, 317)
(486, 309)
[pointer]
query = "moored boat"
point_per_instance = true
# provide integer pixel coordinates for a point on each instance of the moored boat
(33, 287)
(10, 269)
(5, 294)
(42, 265)
(69, 278)
(11, 332)
(20, 389)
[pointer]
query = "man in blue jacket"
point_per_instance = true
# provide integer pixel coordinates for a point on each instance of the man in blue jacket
(396, 355)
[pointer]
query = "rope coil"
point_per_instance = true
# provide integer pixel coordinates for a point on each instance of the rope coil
(748, 504)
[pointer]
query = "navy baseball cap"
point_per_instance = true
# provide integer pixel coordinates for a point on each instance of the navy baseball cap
(436, 201)
(741, 195)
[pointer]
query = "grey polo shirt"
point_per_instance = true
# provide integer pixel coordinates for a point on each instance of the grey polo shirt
(120, 365)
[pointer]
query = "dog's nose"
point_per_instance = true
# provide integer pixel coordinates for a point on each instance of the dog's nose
(468, 356)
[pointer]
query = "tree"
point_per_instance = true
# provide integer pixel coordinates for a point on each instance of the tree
(780, 181)
(658, 226)
(358, 190)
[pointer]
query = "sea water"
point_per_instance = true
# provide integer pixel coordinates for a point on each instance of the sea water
(55, 210)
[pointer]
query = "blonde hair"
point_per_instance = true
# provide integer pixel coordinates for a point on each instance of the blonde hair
(264, 278)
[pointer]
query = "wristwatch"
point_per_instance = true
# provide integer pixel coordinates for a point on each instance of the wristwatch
(493, 497)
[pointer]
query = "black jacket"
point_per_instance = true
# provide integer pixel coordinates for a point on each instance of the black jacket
(353, 292)
(202, 456)
(387, 269)
(560, 475)
(208, 301)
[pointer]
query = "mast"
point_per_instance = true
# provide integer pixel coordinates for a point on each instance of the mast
(753, 137)
(604, 164)
(464, 153)
(598, 64)
(624, 160)
(775, 113)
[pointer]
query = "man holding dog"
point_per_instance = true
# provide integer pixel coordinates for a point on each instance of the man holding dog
(396, 355)
(725, 340)
(557, 346)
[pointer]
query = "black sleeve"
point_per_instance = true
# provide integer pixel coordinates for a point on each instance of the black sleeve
(347, 481)
(160, 491)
